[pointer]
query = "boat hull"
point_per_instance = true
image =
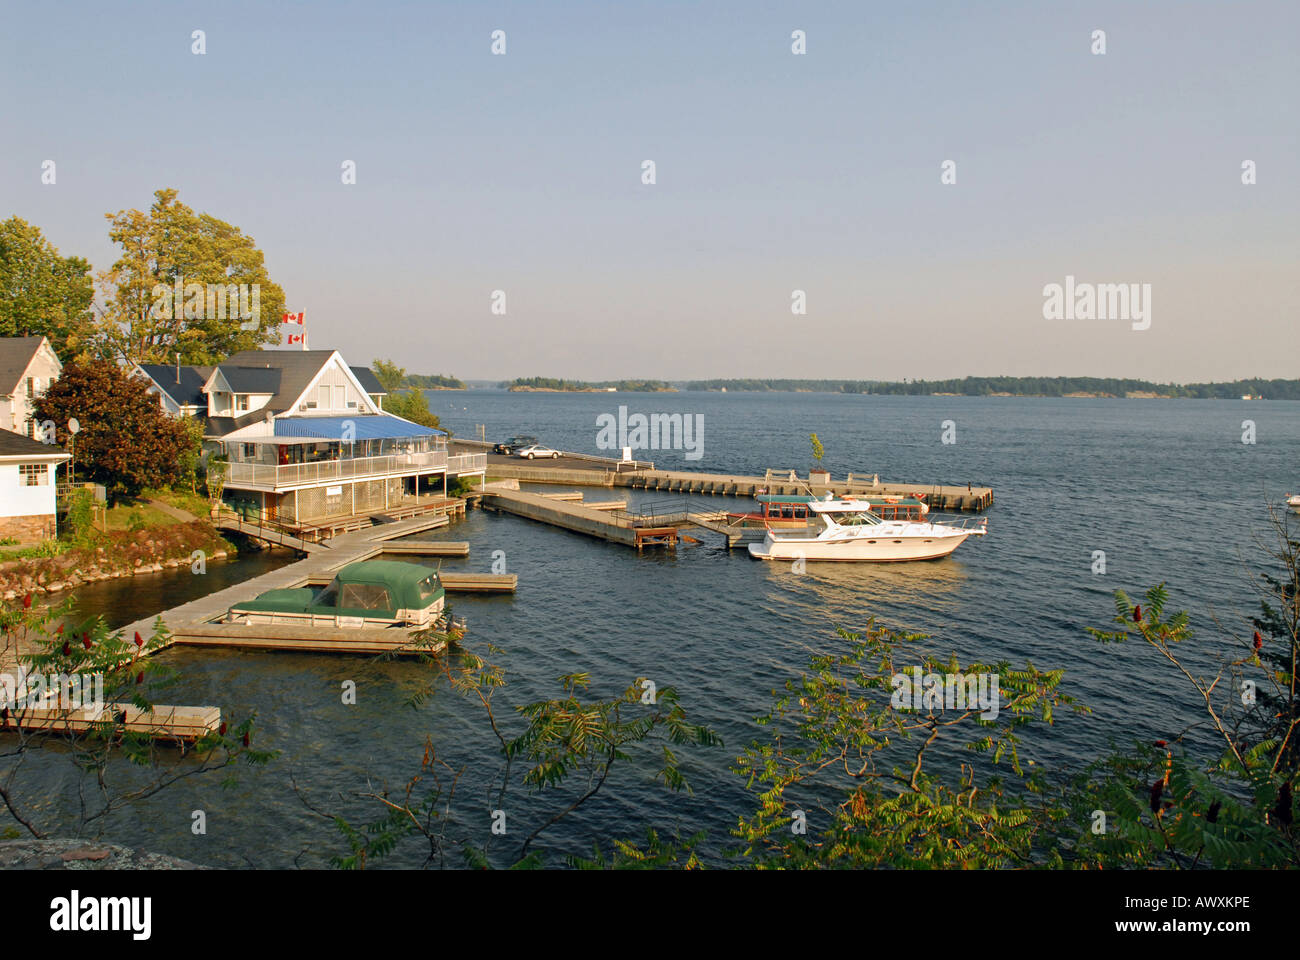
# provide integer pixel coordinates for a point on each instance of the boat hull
(860, 550)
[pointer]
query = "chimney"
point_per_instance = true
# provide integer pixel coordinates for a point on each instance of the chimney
(178, 367)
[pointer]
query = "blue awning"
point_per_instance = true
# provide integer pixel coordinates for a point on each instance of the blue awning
(367, 427)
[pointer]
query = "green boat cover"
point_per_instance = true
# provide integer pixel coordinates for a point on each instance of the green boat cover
(367, 588)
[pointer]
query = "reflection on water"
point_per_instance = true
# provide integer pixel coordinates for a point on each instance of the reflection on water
(128, 599)
(1071, 477)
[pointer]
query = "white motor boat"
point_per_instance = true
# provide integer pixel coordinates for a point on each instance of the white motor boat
(1293, 502)
(851, 531)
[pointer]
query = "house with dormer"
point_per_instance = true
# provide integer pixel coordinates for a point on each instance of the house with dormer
(307, 437)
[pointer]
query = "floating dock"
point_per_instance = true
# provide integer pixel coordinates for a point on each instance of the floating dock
(605, 521)
(314, 639)
(162, 722)
(197, 623)
(585, 470)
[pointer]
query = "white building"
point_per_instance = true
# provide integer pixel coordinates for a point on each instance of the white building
(27, 366)
(307, 436)
(27, 487)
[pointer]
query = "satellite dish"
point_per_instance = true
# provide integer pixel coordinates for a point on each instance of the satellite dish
(73, 425)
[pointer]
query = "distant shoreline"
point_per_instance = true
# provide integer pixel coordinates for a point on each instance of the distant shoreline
(1092, 388)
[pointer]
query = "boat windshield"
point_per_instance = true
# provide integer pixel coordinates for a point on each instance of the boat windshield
(858, 519)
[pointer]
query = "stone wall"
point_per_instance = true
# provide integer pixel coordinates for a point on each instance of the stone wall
(28, 529)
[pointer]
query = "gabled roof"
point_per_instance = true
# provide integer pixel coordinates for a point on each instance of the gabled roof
(16, 445)
(15, 356)
(292, 371)
(366, 377)
(188, 392)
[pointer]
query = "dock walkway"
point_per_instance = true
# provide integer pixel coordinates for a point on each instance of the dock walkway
(940, 496)
(321, 564)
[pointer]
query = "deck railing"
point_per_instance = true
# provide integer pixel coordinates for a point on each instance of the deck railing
(467, 463)
(292, 474)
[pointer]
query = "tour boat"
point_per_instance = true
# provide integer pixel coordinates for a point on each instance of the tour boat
(852, 531)
(368, 593)
(791, 511)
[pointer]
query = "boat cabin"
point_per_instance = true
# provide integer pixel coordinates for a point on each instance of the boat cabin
(369, 593)
(793, 511)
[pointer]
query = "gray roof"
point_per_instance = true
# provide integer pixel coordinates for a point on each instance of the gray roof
(291, 371)
(16, 445)
(251, 379)
(189, 391)
(15, 354)
(366, 377)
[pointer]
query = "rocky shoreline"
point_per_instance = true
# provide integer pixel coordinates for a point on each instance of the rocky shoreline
(117, 555)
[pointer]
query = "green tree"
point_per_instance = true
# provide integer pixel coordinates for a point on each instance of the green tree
(43, 293)
(171, 243)
(112, 766)
(412, 405)
(409, 404)
(389, 374)
(126, 441)
(191, 459)
(569, 744)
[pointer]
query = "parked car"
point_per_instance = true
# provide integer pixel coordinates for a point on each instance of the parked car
(508, 447)
(537, 450)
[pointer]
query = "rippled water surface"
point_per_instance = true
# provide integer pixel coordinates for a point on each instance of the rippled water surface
(1166, 488)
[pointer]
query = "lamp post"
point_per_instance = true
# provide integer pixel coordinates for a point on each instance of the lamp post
(74, 428)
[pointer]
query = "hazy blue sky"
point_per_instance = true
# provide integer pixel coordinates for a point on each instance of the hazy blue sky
(775, 172)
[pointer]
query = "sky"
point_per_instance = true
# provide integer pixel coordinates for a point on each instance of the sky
(774, 172)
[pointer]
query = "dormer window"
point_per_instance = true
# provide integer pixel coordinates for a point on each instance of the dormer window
(241, 403)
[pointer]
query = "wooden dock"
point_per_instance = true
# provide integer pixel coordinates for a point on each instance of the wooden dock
(961, 497)
(478, 582)
(559, 513)
(162, 722)
(438, 548)
(195, 623)
(314, 639)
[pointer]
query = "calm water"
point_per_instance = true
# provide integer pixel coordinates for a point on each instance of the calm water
(1166, 489)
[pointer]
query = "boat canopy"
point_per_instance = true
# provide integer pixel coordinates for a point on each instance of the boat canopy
(765, 498)
(853, 506)
(367, 588)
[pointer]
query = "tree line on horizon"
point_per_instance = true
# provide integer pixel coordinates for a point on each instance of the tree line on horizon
(557, 383)
(1274, 389)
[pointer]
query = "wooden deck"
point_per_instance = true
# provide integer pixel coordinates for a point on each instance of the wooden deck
(940, 496)
(162, 722)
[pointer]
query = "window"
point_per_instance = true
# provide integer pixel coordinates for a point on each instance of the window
(33, 475)
(364, 596)
(249, 452)
(324, 397)
(31, 387)
(241, 402)
(340, 398)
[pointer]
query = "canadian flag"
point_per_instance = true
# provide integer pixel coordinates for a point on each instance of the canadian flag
(292, 318)
(297, 338)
